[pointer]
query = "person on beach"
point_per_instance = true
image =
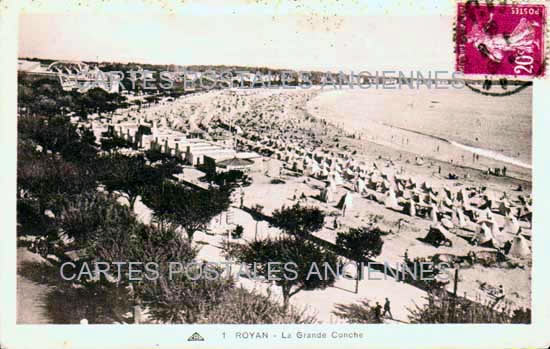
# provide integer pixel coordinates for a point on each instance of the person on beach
(499, 295)
(387, 308)
(303, 198)
(378, 312)
(242, 197)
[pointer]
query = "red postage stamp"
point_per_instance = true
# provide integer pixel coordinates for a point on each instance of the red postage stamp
(501, 39)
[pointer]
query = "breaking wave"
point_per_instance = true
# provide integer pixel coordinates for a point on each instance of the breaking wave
(492, 154)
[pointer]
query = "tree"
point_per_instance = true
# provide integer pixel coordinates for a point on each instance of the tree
(240, 306)
(188, 208)
(138, 242)
(54, 133)
(114, 235)
(299, 220)
(154, 155)
(360, 244)
(114, 142)
(257, 216)
(49, 179)
(129, 175)
(165, 164)
(300, 255)
(100, 302)
(91, 217)
(183, 300)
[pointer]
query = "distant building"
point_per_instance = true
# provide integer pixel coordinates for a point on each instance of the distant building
(244, 161)
(73, 75)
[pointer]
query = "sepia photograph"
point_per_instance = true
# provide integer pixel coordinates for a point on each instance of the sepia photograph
(247, 163)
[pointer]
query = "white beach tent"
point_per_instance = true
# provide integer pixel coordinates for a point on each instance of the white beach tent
(511, 224)
(519, 247)
(433, 213)
(312, 169)
(327, 195)
(391, 201)
(337, 178)
(412, 208)
(359, 185)
(346, 201)
(484, 235)
(331, 184)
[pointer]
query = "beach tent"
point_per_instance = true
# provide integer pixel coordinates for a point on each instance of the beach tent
(462, 196)
(519, 247)
(346, 201)
(447, 202)
(484, 237)
(337, 178)
(448, 192)
(312, 169)
(511, 225)
(441, 196)
(488, 215)
(500, 236)
(349, 173)
(445, 222)
(376, 178)
(437, 235)
(331, 184)
(504, 207)
(391, 201)
(327, 195)
(359, 186)
(412, 208)
(460, 219)
(433, 214)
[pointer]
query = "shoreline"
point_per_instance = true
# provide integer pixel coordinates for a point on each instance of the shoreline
(425, 145)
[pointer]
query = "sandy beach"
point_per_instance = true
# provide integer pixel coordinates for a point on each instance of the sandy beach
(286, 116)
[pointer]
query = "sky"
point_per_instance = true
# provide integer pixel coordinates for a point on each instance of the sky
(331, 37)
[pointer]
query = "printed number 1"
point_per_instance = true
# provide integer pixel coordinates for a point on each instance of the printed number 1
(223, 334)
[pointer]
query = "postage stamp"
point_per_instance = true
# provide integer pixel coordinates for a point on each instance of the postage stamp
(195, 174)
(501, 39)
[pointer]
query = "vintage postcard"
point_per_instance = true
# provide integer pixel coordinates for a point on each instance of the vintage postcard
(198, 173)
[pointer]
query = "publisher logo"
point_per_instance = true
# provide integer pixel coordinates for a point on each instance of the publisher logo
(195, 337)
